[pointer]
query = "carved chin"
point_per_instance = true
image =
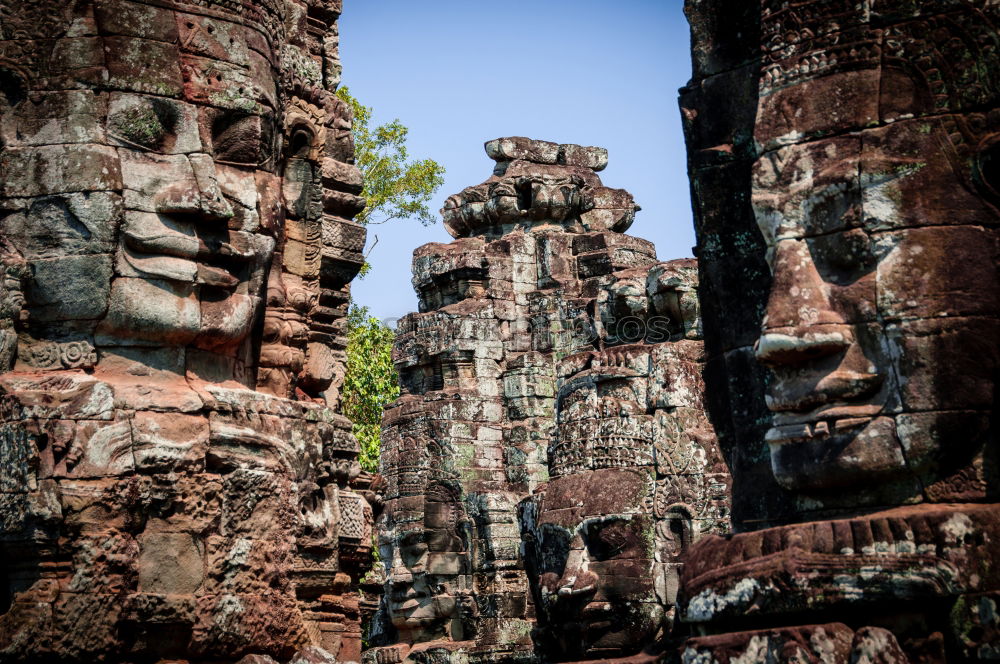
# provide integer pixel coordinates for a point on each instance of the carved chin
(150, 311)
(226, 322)
(421, 613)
(830, 457)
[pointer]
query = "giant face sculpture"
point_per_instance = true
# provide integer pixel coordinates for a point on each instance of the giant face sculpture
(429, 568)
(636, 475)
(593, 557)
(152, 155)
(189, 268)
(882, 324)
(147, 222)
(869, 171)
(424, 538)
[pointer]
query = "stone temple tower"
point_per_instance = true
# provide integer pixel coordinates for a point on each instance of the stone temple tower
(540, 272)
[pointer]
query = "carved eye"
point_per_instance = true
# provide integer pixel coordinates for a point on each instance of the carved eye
(608, 539)
(148, 123)
(842, 258)
(242, 140)
(13, 89)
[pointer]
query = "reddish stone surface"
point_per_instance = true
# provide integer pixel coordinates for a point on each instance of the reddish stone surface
(842, 158)
(176, 243)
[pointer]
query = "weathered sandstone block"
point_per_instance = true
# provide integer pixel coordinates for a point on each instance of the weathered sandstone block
(175, 480)
(842, 156)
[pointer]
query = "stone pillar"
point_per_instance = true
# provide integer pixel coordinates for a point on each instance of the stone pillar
(851, 148)
(176, 194)
(538, 281)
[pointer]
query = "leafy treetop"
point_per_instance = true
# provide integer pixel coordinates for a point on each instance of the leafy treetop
(395, 188)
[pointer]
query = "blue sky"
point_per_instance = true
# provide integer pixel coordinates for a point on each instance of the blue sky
(461, 72)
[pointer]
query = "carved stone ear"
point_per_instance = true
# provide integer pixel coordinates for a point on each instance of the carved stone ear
(13, 88)
(986, 169)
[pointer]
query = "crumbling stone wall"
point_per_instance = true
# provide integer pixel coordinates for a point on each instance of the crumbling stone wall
(503, 373)
(176, 191)
(842, 159)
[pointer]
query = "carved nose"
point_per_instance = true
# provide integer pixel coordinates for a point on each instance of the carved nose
(200, 197)
(550, 582)
(801, 324)
(799, 295)
(577, 584)
(575, 581)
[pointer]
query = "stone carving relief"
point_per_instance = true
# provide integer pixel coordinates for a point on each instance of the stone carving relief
(635, 476)
(867, 191)
(176, 246)
(538, 285)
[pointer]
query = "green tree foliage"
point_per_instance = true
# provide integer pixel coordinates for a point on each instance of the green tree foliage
(370, 382)
(395, 187)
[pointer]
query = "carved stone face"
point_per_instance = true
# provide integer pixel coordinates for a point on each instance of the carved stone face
(603, 563)
(155, 220)
(593, 560)
(880, 216)
(881, 326)
(429, 564)
(191, 264)
(147, 174)
(592, 555)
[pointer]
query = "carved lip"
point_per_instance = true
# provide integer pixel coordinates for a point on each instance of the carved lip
(798, 393)
(404, 595)
(408, 614)
(597, 611)
(827, 412)
(824, 421)
(797, 433)
(408, 605)
(213, 261)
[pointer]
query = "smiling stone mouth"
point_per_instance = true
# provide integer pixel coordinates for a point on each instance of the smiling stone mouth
(791, 433)
(408, 604)
(803, 398)
(597, 611)
(222, 263)
(826, 420)
(407, 596)
(220, 271)
(825, 413)
(215, 262)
